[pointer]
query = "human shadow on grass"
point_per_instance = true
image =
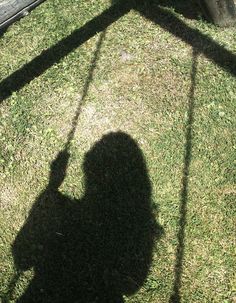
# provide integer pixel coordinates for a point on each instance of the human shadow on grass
(98, 248)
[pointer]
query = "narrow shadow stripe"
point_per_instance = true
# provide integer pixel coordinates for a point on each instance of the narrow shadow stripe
(175, 296)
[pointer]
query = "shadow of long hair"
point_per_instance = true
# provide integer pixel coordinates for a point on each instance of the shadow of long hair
(98, 248)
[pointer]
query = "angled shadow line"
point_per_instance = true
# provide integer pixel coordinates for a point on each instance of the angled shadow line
(53, 55)
(199, 41)
(204, 44)
(88, 81)
(180, 249)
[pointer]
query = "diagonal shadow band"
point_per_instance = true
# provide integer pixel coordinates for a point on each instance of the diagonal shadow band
(201, 42)
(53, 55)
(198, 40)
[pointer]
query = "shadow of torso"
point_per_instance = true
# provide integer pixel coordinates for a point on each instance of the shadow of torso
(95, 249)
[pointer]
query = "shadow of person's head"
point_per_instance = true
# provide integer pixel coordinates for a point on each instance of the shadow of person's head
(116, 163)
(118, 188)
(98, 248)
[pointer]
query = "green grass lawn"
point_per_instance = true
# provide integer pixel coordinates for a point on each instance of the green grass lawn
(117, 155)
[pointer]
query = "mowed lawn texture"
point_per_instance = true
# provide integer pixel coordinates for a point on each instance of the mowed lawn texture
(137, 78)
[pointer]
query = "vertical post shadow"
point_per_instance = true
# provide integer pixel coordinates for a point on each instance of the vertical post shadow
(178, 269)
